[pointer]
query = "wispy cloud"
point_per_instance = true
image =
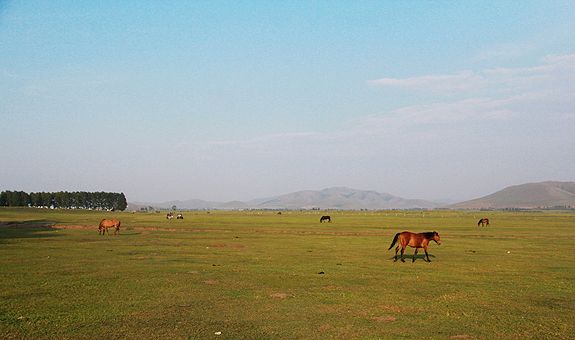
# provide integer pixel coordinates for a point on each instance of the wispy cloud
(466, 80)
(501, 93)
(462, 110)
(555, 72)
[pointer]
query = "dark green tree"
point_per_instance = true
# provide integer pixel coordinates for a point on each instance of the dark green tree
(3, 199)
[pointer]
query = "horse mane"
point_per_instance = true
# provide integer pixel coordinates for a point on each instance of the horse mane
(429, 234)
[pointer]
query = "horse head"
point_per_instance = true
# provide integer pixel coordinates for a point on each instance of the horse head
(436, 238)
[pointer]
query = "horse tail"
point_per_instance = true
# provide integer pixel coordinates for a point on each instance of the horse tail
(394, 241)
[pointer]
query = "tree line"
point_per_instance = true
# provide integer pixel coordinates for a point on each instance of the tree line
(65, 200)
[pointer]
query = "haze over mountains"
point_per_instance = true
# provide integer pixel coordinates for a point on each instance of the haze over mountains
(331, 198)
(525, 196)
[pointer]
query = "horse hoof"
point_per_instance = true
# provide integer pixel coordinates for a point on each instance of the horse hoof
(402, 260)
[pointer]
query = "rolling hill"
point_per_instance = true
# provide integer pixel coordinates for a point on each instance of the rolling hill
(525, 196)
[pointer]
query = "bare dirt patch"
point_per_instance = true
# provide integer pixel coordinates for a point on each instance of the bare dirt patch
(154, 228)
(95, 227)
(392, 309)
(75, 227)
(225, 245)
(325, 327)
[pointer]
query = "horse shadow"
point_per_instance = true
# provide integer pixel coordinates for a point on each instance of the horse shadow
(409, 257)
(26, 229)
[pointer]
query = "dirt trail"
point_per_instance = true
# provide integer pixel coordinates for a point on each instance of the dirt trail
(88, 227)
(195, 229)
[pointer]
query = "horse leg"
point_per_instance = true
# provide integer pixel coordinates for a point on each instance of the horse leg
(396, 250)
(426, 254)
(402, 251)
(414, 255)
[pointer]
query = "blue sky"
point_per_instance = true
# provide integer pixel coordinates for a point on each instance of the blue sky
(233, 100)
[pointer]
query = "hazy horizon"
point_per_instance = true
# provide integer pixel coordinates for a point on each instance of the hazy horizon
(226, 101)
(284, 193)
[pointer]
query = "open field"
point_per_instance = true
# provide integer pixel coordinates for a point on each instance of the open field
(263, 275)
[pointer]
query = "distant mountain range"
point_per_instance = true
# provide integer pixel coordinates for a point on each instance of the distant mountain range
(331, 198)
(526, 196)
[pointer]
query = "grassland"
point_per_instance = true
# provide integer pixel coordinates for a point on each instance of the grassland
(264, 275)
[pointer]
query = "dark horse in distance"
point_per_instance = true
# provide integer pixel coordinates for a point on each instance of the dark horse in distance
(325, 218)
(483, 222)
(414, 240)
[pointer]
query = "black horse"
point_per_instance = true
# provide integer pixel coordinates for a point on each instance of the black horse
(325, 218)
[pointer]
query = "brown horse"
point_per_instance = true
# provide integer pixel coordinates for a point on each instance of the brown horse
(106, 224)
(483, 222)
(414, 240)
(325, 218)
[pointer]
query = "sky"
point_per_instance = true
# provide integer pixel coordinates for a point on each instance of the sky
(236, 100)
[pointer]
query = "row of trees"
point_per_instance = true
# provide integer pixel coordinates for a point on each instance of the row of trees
(64, 199)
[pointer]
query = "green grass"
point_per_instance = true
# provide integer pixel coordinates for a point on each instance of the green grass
(256, 275)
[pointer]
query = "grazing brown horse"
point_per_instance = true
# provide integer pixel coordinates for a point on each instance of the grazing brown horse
(106, 224)
(483, 222)
(414, 240)
(325, 218)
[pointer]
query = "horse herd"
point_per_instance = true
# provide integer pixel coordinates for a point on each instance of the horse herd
(403, 239)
